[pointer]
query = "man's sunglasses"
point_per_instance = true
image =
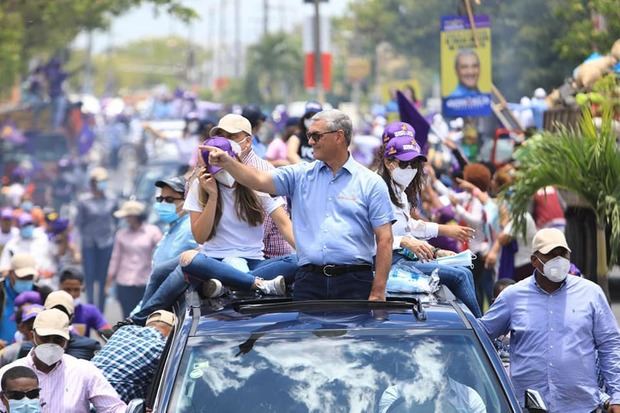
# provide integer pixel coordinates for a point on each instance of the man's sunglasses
(316, 136)
(167, 199)
(18, 395)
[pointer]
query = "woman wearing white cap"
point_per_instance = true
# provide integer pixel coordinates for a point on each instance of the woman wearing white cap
(401, 165)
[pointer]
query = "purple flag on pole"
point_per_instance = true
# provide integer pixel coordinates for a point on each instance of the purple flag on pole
(409, 114)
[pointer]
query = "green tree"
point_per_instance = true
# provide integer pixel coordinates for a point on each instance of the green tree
(585, 161)
(532, 40)
(581, 36)
(274, 69)
(41, 27)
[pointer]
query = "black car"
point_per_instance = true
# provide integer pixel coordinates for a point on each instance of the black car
(421, 353)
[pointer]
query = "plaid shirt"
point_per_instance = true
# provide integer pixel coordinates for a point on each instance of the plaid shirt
(275, 245)
(129, 359)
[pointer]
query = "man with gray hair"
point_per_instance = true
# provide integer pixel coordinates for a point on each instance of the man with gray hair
(340, 210)
(467, 67)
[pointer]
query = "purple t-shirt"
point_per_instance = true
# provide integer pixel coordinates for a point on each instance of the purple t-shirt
(88, 317)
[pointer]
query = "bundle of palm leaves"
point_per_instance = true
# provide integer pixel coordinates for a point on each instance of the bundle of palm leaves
(583, 160)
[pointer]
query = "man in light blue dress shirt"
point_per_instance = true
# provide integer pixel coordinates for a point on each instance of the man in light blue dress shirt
(341, 213)
(558, 324)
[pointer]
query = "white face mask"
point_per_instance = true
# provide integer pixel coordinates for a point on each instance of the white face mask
(556, 269)
(403, 177)
(225, 178)
(49, 353)
(236, 148)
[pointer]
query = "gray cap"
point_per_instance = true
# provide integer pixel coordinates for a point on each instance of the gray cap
(177, 183)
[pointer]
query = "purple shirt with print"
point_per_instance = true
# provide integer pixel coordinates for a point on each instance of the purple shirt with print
(87, 317)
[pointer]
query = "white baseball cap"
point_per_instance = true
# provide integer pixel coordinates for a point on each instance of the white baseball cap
(232, 123)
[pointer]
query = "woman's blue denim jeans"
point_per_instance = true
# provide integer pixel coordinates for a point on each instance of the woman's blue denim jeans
(167, 282)
(205, 268)
(458, 279)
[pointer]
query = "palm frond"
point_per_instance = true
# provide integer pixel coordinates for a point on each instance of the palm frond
(583, 160)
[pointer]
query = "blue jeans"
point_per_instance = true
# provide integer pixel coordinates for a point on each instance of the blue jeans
(205, 268)
(95, 261)
(312, 285)
(158, 275)
(167, 283)
(458, 279)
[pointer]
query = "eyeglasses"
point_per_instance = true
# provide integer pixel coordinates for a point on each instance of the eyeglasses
(167, 199)
(18, 395)
(316, 136)
(406, 164)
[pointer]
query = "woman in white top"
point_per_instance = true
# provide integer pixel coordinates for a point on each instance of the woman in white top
(400, 166)
(227, 219)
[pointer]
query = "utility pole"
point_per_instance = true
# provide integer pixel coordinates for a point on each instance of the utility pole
(318, 74)
(237, 40)
(265, 17)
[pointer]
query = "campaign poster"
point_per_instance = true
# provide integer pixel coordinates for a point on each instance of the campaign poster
(465, 69)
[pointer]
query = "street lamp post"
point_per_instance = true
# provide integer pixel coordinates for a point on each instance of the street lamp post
(318, 74)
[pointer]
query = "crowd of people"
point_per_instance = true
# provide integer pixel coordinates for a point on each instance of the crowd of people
(298, 216)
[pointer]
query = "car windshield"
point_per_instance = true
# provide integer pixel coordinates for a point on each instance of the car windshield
(337, 371)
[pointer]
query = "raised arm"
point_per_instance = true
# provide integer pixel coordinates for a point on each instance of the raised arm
(384, 239)
(246, 175)
(202, 221)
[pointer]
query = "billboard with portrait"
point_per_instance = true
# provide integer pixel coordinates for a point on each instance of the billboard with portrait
(465, 69)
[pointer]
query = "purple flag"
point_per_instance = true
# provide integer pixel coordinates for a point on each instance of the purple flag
(409, 114)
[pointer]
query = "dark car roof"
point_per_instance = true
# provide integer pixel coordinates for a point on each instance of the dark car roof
(300, 316)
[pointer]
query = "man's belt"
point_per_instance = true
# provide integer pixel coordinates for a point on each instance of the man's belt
(331, 270)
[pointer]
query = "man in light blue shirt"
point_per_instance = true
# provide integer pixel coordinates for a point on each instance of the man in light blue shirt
(558, 324)
(166, 282)
(341, 213)
(169, 208)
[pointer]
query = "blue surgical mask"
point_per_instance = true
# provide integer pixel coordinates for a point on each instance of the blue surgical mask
(102, 186)
(462, 259)
(23, 285)
(167, 212)
(24, 405)
(27, 206)
(27, 231)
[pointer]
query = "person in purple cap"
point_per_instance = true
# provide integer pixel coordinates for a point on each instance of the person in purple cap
(401, 167)
(341, 214)
(29, 241)
(227, 220)
(64, 250)
(238, 129)
(7, 230)
(24, 317)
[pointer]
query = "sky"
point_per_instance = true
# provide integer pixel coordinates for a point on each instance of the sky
(141, 22)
